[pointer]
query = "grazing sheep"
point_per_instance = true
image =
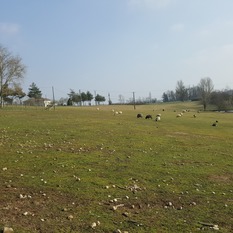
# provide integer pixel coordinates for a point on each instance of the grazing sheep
(148, 117)
(120, 112)
(139, 115)
(194, 115)
(97, 109)
(179, 115)
(116, 113)
(215, 123)
(158, 118)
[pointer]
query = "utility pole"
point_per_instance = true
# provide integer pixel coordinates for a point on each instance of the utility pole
(109, 99)
(134, 100)
(95, 97)
(80, 97)
(53, 99)
(150, 97)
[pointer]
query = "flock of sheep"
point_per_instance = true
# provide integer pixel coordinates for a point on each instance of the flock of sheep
(158, 116)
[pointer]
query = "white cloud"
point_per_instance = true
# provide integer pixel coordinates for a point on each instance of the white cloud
(9, 29)
(149, 4)
(177, 27)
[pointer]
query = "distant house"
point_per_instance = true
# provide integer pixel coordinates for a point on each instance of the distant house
(47, 103)
(43, 102)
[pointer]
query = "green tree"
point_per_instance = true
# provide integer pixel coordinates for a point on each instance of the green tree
(34, 91)
(12, 71)
(181, 91)
(99, 98)
(89, 97)
(206, 87)
(12, 92)
(74, 97)
(83, 97)
(165, 97)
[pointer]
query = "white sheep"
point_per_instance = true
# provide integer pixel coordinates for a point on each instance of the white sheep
(158, 118)
(179, 115)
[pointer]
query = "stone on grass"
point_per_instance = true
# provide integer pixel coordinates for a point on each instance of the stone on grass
(7, 230)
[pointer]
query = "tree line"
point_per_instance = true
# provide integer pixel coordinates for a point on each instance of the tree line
(203, 92)
(81, 97)
(12, 71)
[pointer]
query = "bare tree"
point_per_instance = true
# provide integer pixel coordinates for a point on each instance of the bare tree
(206, 87)
(11, 71)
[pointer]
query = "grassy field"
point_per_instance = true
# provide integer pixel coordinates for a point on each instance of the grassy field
(76, 169)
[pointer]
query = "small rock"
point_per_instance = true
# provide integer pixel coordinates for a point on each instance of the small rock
(169, 203)
(126, 214)
(70, 217)
(7, 230)
(215, 227)
(93, 225)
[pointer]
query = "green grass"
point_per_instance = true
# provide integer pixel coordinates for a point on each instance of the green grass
(80, 162)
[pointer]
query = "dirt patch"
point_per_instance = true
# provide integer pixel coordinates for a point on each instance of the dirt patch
(221, 178)
(36, 210)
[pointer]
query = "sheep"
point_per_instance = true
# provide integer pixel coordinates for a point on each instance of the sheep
(139, 115)
(148, 117)
(120, 112)
(215, 123)
(97, 109)
(179, 115)
(194, 115)
(158, 118)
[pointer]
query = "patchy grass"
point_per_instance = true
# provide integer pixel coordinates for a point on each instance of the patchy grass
(64, 170)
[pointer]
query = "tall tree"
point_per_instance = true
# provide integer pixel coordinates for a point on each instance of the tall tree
(74, 97)
(99, 98)
(181, 91)
(206, 87)
(12, 71)
(89, 97)
(165, 97)
(83, 97)
(12, 92)
(34, 91)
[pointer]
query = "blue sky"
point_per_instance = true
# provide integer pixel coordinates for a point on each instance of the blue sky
(119, 46)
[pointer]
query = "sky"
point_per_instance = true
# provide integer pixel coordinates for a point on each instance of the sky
(119, 47)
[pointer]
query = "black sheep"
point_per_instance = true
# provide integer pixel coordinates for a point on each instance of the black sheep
(148, 117)
(139, 115)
